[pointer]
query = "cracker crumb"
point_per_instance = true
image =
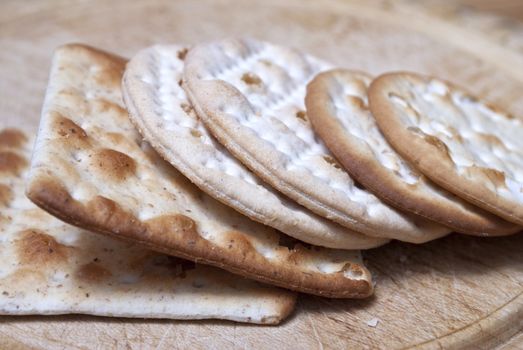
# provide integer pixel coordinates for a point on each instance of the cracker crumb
(373, 322)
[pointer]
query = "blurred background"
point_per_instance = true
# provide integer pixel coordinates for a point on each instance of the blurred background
(510, 8)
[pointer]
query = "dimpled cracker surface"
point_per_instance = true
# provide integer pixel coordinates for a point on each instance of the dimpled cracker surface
(91, 168)
(50, 267)
(250, 95)
(161, 111)
(337, 107)
(465, 145)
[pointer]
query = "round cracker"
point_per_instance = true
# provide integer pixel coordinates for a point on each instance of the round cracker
(337, 106)
(250, 96)
(161, 111)
(460, 142)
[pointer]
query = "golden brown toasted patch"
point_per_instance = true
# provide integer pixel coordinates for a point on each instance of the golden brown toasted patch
(111, 75)
(440, 146)
(251, 79)
(181, 229)
(101, 105)
(357, 101)
(332, 161)
(113, 165)
(301, 115)
(65, 127)
(182, 53)
(496, 177)
(11, 163)
(12, 138)
(239, 243)
(35, 247)
(491, 139)
(93, 272)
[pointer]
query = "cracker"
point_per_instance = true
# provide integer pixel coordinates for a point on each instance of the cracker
(460, 142)
(91, 168)
(49, 267)
(250, 96)
(337, 106)
(159, 108)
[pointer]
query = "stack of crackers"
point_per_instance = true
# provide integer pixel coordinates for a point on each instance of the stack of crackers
(216, 181)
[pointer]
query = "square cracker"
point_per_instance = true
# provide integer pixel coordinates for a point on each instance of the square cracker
(50, 267)
(91, 168)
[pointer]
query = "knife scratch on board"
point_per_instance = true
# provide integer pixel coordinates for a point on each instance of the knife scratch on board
(315, 332)
(164, 336)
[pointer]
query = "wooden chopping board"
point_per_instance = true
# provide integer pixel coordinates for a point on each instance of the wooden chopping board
(456, 292)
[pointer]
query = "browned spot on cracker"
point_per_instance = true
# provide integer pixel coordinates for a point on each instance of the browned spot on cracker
(491, 139)
(111, 109)
(12, 138)
(104, 106)
(332, 161)
(196, 133)
(499, 111)
(108, 77)
(440, 145)
(299, 254)
(251, 79)
(11, 163)
(266, 62)
(116, 138)
(105, 212)
(455, 133)
(113, 164)
(6, 195)
(38, 248)
(496, 177)
(356, 101)
(187, 108)
(180, 227)
(181, 54)
(65, 127)
(109, 73)
(93, 272)
(241, 245)
(301, 115)
(433, 141)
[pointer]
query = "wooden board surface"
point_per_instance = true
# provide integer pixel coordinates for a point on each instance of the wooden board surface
(457, 292)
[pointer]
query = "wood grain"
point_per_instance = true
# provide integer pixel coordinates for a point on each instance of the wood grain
(457, 292)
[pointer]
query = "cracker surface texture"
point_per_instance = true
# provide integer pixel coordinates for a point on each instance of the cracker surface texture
(250, 95)
(337, 106)
(92, 168)
(463, 144)
(160, 110)
(49, 267)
